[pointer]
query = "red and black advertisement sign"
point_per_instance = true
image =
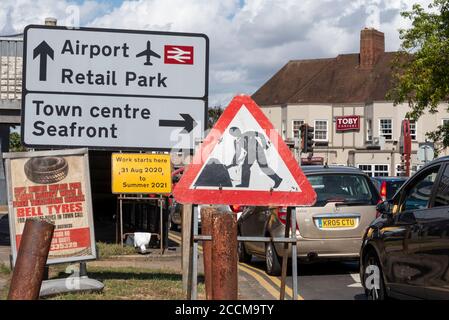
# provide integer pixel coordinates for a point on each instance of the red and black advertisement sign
(346, 123)
(52, 185)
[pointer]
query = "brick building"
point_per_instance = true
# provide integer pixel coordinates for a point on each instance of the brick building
(319, 91)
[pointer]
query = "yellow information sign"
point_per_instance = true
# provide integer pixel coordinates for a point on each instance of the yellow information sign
(141, 173)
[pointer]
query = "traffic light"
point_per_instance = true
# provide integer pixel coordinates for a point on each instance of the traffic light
(306, 138)
(310, 142)
(401, 170)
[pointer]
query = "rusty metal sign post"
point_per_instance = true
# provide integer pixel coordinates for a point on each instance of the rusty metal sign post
(31, 259)
(206, 228)
(288, 239)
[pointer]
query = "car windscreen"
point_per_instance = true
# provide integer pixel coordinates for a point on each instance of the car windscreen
(392, 187)
(347, 188)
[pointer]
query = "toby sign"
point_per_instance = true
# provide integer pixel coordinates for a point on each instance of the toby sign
(106, 88)
(244, 161)
(346, 123)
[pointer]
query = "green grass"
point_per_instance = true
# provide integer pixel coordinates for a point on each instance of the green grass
(133, 284)
(106, 250)
(4, 292)
(5, 273)
(4, 269)
(125, 284)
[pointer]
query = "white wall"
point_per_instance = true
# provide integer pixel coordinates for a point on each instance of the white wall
(341, 143)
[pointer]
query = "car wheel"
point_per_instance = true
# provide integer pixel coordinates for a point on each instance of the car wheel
(244, 256)
(375, 291)
(272, 260)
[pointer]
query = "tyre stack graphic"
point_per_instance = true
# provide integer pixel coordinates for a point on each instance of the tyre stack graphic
(46, 170)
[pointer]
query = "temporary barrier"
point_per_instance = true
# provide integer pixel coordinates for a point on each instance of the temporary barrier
(122, 199)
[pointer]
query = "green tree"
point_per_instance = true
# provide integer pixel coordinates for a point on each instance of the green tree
(214, 113)
(421, 67)
(15, 145)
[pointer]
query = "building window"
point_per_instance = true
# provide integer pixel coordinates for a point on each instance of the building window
(369, 130)
(296, 126)
(413, 170)
(381, 170)
(399, 172)
(413, 130)
(283, 130)
(375, 170)
(320, 130)
(386, 129)
(444, 122)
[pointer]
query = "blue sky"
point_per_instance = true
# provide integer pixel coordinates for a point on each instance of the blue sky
(250, 39)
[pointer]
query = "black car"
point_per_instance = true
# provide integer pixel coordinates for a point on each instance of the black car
(387, 186)
(4, 229)
(405, 251)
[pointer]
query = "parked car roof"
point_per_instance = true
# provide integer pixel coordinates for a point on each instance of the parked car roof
(437, 160)
(330, 169)
(441, 159)
(390, 178)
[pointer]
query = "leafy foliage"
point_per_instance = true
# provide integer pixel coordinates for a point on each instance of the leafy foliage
(15, 145)
(214, 113)
(421, 67)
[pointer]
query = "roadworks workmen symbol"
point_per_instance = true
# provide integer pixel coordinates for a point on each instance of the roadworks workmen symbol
(253, 144)
(244, 161)
(249, 149)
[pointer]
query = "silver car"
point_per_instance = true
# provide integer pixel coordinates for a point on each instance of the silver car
(331, 229)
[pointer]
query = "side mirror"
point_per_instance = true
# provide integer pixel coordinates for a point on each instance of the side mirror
(384, 208)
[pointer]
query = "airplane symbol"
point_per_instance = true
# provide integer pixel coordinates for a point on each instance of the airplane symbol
(148, 53)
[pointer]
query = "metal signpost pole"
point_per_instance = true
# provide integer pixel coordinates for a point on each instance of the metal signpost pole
(161, 224)
(186, 249)
(195, 257)
(425, 154)
(121, 220)
(292, 211)
(285, 256)
(30, 263)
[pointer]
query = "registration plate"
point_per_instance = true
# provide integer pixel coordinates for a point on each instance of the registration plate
(336, 223)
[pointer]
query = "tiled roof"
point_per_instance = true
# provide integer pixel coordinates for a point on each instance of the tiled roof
(335, 80)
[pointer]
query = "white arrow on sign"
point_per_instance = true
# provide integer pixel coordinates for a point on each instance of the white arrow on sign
(112, 122)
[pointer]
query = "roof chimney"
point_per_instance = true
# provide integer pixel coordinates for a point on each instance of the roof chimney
(372, 46)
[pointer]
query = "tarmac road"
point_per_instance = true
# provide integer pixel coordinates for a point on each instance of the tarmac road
(321, 281)
(317, 281)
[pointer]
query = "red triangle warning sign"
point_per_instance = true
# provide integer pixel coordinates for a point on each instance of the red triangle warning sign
(244, 161)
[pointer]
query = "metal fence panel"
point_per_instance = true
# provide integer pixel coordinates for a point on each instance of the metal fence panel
(11, 68)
